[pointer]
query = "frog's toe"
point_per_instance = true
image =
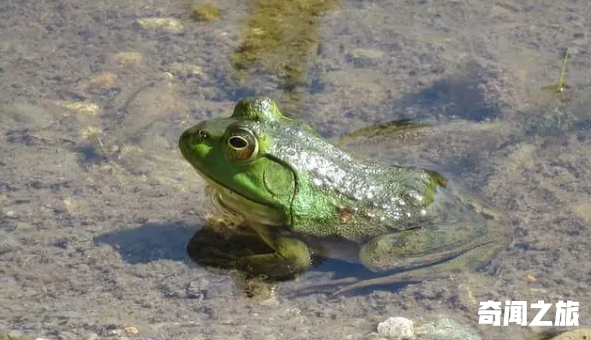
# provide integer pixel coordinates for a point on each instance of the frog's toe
(325, 287)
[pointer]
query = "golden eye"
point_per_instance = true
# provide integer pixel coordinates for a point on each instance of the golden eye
(241, 144)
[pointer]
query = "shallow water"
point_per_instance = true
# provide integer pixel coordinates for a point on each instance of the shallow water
(97, 204)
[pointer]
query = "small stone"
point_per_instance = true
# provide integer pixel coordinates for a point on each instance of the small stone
(169, 25)
(131, 331)
(529, 278)
(89, 132)
(396, 328)
(167, 76)
(80, 107)
(114, 332)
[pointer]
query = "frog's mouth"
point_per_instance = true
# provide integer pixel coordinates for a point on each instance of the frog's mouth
(227, 201)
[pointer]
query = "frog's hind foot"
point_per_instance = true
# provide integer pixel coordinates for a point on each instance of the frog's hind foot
(325, 287)
(414, 277)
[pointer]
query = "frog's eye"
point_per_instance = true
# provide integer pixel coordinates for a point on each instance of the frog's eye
(241, 144)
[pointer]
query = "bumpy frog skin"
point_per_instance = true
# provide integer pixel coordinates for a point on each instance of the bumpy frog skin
(306, 197)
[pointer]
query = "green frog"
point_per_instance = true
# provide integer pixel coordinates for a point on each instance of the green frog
(307, 198)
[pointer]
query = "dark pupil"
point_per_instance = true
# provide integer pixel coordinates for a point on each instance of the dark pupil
(238, 142)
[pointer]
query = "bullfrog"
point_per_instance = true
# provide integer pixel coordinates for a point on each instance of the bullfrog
(308, 198)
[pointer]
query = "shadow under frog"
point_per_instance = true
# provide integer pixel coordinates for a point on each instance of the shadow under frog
(150, 242)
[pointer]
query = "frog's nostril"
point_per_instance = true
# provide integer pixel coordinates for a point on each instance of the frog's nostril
(202, 134)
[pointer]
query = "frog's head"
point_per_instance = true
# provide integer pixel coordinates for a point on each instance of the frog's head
(231, 154)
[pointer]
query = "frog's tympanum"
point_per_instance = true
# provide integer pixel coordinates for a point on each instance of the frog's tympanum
(307, 198)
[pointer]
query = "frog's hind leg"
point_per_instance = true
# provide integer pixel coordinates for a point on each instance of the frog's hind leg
(413, 276)
(430, 260)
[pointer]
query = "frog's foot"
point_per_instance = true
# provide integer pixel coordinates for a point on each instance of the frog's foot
(414, 276)
(324, 287)
(291, 257)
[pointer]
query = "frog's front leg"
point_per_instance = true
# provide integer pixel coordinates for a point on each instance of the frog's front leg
(291, 257)
(217, 245)
(254, 251)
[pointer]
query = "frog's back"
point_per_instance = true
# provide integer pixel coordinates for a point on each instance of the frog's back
(340, 194)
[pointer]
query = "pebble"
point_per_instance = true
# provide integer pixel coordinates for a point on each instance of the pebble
(115, 332)
(396, 328)
(89, 132)
(124, 333)
(80, 107)
(169, 25)
(529, 278)
(131, 331)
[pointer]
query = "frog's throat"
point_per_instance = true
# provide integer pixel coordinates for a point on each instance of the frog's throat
(229, 201)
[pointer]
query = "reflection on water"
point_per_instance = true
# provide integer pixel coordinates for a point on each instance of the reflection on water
(281, 36)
